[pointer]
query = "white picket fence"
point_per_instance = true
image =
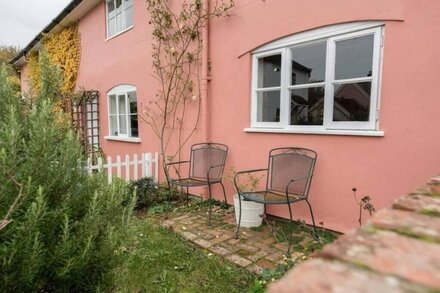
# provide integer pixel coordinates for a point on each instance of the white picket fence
(147, 165)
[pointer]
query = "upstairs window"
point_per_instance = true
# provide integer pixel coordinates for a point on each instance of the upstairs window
(123, 118)
(322, 80)
(119, 16)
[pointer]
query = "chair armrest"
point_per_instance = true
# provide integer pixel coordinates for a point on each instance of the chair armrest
(210, 168)
(293, 181)
(245, 172)
(167, 167)
(175, 163)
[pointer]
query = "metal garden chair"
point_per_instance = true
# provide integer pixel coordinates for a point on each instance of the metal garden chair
(289, 175)
(205, 168)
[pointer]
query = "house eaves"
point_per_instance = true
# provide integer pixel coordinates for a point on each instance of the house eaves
(71, 13)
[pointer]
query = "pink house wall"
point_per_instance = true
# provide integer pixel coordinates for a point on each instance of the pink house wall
(382, 167)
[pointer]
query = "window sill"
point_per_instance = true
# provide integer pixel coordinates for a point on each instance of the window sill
(120, 33)
(124, 139)
(376, 133)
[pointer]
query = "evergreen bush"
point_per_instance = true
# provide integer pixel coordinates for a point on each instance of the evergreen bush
(59, 227)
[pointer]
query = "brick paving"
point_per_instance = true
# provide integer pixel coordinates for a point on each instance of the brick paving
(255, 250)
(398, 250)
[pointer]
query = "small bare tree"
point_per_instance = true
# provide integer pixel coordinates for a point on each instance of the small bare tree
(176, 53)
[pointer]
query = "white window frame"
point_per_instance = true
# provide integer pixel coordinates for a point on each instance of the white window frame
(121, 90)
(331, 35)
(123, 8)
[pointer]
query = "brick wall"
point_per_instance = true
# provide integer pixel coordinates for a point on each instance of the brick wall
(398, 250)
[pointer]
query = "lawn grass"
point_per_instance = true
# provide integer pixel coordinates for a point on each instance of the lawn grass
(158, 260)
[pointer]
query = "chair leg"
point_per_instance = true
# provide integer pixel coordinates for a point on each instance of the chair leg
(315, 234)
(210, 205)
(291, 230)
(224, 192)
(187, 196)
(239, 217)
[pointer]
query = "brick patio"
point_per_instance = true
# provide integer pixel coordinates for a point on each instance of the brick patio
(256, 249)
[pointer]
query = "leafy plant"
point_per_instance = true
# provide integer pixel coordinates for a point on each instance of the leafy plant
(246, 182)
(150, 194)
(59, 226)
(364, 204)
(176, 55)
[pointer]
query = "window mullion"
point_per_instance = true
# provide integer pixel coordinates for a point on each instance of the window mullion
(329, 77)
(127, 111)
(117, 114)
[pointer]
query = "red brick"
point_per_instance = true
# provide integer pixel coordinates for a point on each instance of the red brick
(331, 276)
(408, 223)
(418, 203)
(390, 253)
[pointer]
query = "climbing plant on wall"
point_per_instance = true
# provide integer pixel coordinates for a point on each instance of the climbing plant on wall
(64, 51)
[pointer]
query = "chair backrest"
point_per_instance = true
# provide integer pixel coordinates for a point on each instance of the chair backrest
(207, 155)
(290, 163)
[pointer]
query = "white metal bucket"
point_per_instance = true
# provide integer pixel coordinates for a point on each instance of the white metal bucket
(251, 212)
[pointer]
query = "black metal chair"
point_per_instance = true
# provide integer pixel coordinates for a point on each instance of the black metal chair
(289, 175)
(206, 166)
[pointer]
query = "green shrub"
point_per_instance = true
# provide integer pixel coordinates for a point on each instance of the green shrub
(59, 227)
(150, 194)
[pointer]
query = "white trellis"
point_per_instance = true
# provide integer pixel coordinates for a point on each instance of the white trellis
(147, 165)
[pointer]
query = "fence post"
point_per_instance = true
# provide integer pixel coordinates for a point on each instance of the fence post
(135, 163)
(118, 166)
(99, 164)
(156, 167)
(144, 163)
(109, 169)
(127, 168)
(149, 166)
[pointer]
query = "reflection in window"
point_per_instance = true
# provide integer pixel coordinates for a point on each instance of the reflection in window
(269, 106)
(354, 57)
(269, 71)
(352, 102)
(307, 106)
(308, 63)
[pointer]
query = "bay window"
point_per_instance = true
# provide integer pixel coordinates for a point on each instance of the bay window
(319, 81)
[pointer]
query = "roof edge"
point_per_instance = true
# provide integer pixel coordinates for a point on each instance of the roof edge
(66, 11)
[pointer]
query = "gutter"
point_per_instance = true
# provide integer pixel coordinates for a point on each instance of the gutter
(68, 9)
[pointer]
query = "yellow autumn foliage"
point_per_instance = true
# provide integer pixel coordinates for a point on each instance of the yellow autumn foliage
(64, 50)
(34, 72)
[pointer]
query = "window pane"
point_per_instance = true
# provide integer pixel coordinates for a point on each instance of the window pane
(118, 4)
(134, 126)
(118, 22)
(268, 109)
(128, 13)
(110, 6)
(122, 106)
(113, 125)
(111, 26)
(308, 63)
(269, 71)
(112, 100)
(122, 124)
(352, 102)
(133, 102)
(307, 106)
(354, 57)
(128, 17)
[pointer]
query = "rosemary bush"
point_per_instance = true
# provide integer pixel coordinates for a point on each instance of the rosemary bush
(59, 227)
